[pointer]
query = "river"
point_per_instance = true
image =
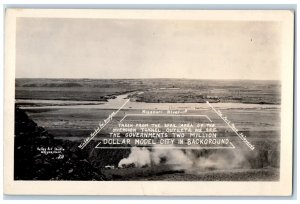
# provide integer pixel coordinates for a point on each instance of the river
(121, 99)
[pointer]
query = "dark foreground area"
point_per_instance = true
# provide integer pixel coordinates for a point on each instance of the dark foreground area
(31, 164)
(165, 174)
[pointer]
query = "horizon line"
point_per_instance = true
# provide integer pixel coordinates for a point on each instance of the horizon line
(145, 78)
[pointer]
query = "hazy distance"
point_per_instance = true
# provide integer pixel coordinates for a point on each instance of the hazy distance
(98, 48)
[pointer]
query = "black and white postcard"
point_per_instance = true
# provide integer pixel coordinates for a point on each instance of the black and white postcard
(148, 102)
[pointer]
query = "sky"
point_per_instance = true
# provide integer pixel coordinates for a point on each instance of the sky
(112, 48)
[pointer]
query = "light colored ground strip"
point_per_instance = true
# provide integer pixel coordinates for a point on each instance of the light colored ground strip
(169, 147)
(164, 115)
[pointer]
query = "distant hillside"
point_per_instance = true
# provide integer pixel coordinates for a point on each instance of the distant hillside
(154, 90)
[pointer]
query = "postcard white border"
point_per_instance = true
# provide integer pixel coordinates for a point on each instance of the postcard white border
(195, 188)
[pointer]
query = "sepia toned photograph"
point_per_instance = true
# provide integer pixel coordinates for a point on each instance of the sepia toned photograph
(111, 97)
